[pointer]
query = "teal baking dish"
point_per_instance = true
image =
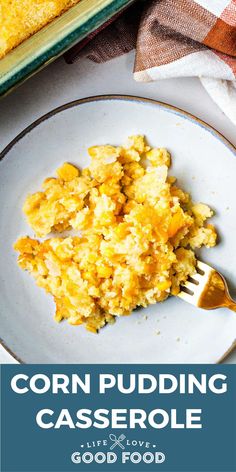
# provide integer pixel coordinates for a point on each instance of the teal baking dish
(54, 39)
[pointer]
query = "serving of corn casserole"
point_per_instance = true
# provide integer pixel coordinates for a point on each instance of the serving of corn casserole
(19, 19)
(114, 236)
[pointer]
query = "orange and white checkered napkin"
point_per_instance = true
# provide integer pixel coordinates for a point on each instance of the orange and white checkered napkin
(176, 38)
(182, 38)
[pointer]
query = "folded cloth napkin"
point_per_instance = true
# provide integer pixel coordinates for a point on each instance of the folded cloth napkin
(176, 38)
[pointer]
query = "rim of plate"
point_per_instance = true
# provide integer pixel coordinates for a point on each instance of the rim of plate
(127, 98)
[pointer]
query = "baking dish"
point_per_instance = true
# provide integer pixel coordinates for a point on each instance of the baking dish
(54, 39)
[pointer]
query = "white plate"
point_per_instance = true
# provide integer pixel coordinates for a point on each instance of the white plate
(205, 164)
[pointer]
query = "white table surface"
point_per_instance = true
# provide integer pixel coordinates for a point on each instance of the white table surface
(60, 83)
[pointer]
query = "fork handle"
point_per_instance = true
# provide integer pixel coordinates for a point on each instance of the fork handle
(232, 305)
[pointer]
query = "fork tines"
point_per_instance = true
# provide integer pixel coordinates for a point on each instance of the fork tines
(193, 288)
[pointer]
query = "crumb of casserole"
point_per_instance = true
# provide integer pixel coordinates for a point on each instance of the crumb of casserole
(134, 232)
(19, 19)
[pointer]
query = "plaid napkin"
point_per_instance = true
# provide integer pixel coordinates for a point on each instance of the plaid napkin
(175, 38)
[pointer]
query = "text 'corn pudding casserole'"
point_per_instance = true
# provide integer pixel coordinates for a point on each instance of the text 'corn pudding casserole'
(134, 232)
(19, 19)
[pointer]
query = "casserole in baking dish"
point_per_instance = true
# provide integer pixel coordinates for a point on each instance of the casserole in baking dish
(53, 39)
(22, 18)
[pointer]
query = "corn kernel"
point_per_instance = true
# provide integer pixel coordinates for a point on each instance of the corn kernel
(162, 286)
(104, 271)
(67, 172)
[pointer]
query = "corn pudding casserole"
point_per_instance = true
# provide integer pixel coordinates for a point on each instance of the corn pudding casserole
(19, 19)
(133, 239)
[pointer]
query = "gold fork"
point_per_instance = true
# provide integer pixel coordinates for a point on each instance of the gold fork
(207, 289)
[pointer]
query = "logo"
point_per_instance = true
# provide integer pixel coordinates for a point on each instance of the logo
(117, 442)
(118, 449)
